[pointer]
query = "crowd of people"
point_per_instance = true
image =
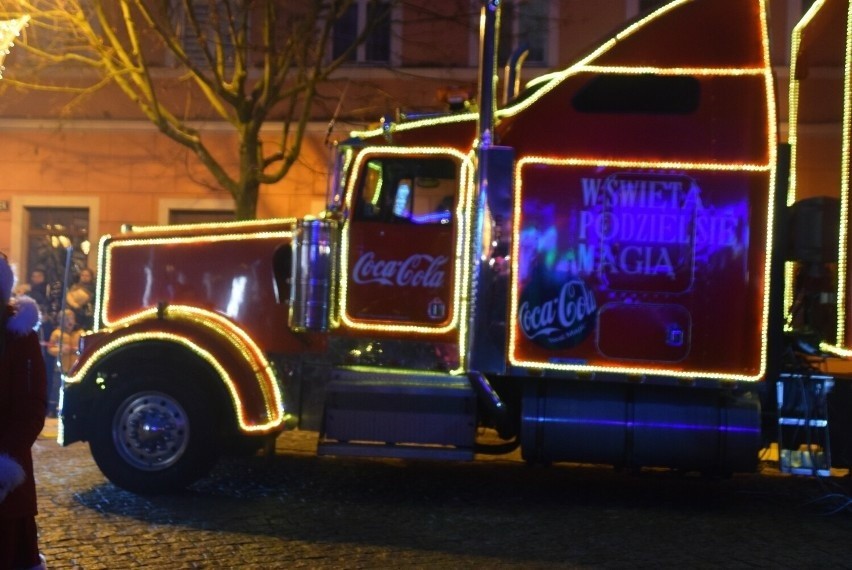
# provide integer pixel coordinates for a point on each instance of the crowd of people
(60, 328)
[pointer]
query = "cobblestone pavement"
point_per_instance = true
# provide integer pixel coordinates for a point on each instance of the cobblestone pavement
(298, 510)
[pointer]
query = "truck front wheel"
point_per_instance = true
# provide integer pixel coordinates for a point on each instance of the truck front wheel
(153, 436)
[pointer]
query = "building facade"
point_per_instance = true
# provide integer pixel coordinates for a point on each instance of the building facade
(70, 177)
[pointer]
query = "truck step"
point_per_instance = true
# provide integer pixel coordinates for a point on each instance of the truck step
(404, 415)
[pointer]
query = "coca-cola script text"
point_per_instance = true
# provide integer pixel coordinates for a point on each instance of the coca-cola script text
(418, 270)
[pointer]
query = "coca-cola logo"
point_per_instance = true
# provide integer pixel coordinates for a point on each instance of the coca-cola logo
(557, 315)
(418, 270)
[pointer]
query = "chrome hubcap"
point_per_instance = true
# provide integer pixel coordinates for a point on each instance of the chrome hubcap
(151, 431)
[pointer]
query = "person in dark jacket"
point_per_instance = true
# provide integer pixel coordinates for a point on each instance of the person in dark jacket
(23, 394)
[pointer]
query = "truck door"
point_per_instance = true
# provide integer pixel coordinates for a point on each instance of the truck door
(401, 247)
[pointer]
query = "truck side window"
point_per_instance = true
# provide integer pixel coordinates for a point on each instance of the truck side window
(645, 94)
(407, 190)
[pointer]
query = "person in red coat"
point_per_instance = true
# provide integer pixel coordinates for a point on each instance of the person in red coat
(23, 399)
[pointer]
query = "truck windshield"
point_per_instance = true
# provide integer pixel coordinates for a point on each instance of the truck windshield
(407, 190)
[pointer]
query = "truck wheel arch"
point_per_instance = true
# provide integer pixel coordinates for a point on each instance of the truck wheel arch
(203, 344)
(156, 359)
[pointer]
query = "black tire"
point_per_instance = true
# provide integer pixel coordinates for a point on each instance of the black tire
(153, 434)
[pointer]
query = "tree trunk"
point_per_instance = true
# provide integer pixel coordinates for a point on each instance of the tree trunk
(247, 188)
(245, 200)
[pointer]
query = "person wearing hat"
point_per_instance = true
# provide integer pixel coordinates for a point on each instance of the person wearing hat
(23, 395)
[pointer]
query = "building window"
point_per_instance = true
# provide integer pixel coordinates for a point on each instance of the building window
(51, 233)
(202, 29)
(524, 24)
(377, 47)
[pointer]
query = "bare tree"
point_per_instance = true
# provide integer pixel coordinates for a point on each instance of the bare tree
(248, 63)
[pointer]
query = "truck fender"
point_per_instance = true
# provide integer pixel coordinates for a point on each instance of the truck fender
(237, 361)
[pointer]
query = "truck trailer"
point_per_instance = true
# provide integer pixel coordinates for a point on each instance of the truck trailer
(618, 264)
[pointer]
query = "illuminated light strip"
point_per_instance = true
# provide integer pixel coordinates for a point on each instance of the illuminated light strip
(378, 191)
(746, 167)
(105, 254)
(398, 127)
(558, 77)
(845, 170)
(465, 282)
(100, 280)
(237, 337)
(843, 229)
(555, 79)
(652, 16)
(409, 152)
(772, 143)
(402, 372)
(793, 139)
(595, 54)
(637, 163)
(584, 63)
(349, 156)
(793, 113)
(835, 350)
(209, 358)
(212, 225)
(616, 369)
(689, 71)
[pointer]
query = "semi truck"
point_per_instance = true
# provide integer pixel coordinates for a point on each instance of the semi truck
(618, 264)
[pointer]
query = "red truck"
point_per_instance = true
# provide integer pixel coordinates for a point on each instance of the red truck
(604, 269)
